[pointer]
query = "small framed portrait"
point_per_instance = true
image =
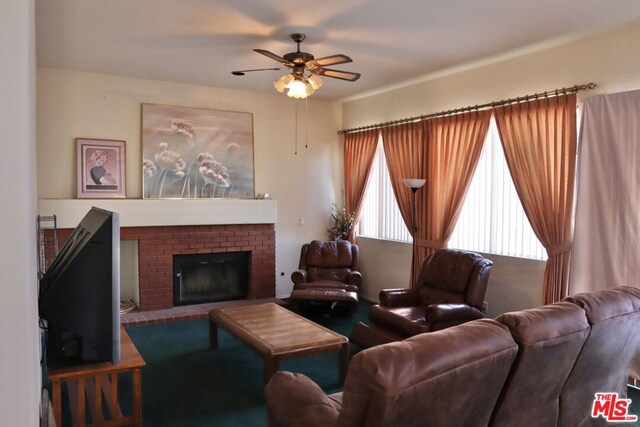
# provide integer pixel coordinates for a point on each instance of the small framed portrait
(100, 168)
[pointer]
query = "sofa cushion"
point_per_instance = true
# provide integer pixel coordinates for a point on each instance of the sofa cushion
(603, 363)
(408, 383)
(549, 338)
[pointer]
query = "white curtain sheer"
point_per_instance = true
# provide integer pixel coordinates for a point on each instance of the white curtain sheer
(606, 248)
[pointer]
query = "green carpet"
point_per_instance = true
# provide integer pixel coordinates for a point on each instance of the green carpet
(187, 384)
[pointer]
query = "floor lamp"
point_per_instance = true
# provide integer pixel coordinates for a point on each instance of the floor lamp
(414, 184)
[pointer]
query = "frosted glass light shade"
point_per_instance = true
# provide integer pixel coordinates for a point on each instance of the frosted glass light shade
(414, 183)
(315, 82)
(297, 89)
(282, 82)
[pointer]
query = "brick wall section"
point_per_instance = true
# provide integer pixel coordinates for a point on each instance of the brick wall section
(157, 245)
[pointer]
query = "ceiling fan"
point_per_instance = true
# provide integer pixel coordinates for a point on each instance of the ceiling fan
(304, 78)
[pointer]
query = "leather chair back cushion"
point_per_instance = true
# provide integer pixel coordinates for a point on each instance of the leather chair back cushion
(329, 254)
(328, 260)
(614, 316)
(445, 276)
(408, 382)
(550, 338)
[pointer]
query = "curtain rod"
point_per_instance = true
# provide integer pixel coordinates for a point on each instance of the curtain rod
(546, 94)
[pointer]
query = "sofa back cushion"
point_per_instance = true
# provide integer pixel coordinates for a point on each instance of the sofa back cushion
(331, 260)
(453, 276)
(549, 339)
(447, 378)
(603, 363)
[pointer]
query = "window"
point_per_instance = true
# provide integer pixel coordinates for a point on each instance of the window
(381, 216)
(492, 219)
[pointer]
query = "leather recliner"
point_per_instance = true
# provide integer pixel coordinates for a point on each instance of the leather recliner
(333, 262)
(449, 291)
(327, 273)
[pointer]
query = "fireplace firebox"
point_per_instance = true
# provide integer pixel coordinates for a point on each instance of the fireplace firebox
(210, 277)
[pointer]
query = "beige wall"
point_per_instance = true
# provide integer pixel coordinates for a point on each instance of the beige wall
(19, 333)
(384, 264)
(610, 60)
(73, 104)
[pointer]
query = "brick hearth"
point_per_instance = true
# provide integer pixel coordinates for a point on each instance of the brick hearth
(158, 244)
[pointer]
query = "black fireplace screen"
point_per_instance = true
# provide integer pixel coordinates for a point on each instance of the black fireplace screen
(200, 278)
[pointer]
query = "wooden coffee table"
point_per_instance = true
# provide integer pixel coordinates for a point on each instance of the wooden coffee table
(276, 334)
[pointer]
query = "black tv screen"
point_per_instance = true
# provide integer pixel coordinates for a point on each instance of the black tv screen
(79, 295)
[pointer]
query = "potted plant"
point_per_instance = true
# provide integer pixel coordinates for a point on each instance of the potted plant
(342, 223)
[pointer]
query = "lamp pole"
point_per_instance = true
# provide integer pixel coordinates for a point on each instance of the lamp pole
(414, 184)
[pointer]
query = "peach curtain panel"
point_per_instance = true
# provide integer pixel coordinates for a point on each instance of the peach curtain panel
(359, 150)
(445, 151)
(539, 140)
(453, 150)
(404, 149)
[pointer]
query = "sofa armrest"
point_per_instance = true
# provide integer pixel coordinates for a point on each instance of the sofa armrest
(355, 278)
(299, 276)
(398, 297)
(451, 313)
(295, 400)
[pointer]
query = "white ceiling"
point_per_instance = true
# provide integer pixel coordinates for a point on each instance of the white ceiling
(390, 42)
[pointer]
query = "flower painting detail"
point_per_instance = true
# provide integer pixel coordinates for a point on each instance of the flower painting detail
(100, 168)
(196, 153)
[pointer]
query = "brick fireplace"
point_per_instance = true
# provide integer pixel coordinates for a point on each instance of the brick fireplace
(158, 244)
(164, 228)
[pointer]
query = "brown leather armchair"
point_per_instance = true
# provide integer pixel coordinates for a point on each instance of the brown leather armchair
(328, 272)
(449, 291)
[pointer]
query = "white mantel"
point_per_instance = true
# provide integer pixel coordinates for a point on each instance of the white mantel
(153, 212)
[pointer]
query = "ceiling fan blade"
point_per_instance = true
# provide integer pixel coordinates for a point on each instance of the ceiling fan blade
(241, 72)
(272, 56)
(328, 60)
(337, 74)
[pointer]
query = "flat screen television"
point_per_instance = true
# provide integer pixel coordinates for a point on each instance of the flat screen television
(79, 295)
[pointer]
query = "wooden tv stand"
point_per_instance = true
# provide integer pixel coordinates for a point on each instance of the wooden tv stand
(89, 383)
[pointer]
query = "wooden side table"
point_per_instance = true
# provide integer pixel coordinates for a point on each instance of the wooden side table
(89, 383)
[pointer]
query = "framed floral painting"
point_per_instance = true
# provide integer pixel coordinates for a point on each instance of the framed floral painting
(194, 153)
(100, 168)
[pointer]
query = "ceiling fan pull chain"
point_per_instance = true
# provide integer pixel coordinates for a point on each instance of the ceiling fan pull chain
(296, 131)
(306, 123)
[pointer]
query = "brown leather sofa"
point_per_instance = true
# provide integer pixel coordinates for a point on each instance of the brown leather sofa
(533, 367)
(328, 272)
(449, 291)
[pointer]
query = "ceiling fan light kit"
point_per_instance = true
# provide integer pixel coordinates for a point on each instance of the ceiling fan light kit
(304, 78)
(298, 87)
